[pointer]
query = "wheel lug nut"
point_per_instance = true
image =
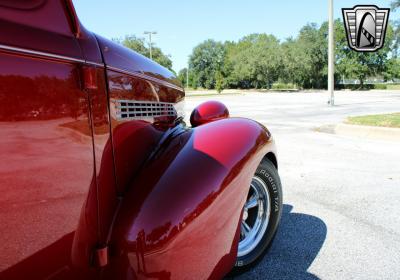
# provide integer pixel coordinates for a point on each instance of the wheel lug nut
(245, 215)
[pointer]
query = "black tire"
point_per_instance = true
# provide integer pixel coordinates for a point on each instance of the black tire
(268, 173)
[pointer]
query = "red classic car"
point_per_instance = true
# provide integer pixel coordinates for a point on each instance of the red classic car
(99, 175)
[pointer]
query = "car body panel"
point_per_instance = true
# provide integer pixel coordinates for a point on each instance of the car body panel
(92, 191)
(180, 216)
(42, 26)
(47, 167)
(134, 78)
(123, 59)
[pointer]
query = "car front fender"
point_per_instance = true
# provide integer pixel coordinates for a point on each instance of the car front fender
(179, 218)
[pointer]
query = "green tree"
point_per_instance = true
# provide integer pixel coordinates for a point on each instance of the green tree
(313, 44)
(205, 61)
(295, 64)
(254, 61)
(138, 44)
(396, 31)
(305, 58)
(395, 4)
(219, 81)
(258, 60)
(182, 76)
(393, 69)
(360, 65)
(396, 38)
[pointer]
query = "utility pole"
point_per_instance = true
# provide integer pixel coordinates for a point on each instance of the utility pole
(150, 44)
(331, 55)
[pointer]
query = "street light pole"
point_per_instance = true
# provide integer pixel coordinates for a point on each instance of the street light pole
(151, 44)
(331, 55)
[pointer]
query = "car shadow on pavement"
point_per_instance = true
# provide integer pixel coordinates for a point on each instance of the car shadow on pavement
(299, 239)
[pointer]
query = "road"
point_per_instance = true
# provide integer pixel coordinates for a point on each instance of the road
(341, 215)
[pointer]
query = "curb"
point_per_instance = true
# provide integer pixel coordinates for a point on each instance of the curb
(363, 131)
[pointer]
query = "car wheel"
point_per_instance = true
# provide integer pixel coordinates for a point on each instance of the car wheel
(261, 215)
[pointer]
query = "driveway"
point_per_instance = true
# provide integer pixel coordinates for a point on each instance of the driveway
(341, 216)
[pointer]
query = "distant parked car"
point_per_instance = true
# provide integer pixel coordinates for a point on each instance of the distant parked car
(99, 175)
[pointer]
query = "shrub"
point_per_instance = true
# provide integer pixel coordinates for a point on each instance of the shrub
(354, 86)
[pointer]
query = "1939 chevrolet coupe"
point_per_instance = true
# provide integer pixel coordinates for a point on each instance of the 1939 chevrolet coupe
(99, 175)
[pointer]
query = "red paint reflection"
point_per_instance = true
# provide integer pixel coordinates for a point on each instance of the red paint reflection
(183, 199)
(47, 166)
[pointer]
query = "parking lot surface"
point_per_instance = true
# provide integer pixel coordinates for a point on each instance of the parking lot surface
(341, 215)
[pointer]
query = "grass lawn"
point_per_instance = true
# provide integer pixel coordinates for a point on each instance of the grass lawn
(386, 120)
(393, 87)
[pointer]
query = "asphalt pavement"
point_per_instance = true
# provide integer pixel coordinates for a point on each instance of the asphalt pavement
(341, 216)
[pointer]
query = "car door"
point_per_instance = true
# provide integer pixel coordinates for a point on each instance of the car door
(47, 182)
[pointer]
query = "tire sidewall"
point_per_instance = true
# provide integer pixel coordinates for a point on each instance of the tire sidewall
(267, 172)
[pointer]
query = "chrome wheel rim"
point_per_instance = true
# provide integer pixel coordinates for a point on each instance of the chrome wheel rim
(256, 213)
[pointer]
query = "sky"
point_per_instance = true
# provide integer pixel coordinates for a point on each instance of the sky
(181, 25)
